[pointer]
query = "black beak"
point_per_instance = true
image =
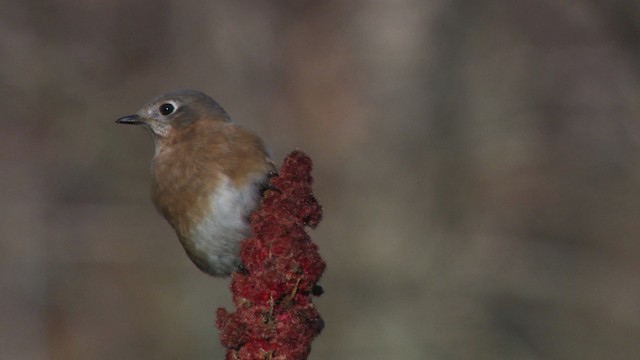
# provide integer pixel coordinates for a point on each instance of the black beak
(130, 120)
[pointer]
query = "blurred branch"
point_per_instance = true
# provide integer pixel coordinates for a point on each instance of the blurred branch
(447, 128)
(622, 19)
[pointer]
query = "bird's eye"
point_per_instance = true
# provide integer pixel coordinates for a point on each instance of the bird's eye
(166, 109)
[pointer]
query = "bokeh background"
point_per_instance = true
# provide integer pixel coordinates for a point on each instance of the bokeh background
(478, 162)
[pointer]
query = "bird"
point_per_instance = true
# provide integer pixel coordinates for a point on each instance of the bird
(208, 175)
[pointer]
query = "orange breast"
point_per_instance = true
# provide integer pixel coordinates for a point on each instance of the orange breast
(188, 165)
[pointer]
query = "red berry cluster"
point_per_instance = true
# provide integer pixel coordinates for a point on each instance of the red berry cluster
(275, 317)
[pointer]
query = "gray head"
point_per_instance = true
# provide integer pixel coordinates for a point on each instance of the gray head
(176, 109)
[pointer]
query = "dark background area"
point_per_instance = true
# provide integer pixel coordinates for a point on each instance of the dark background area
(478, 162)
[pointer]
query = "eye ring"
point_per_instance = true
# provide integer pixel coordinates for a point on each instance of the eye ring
(167, 109)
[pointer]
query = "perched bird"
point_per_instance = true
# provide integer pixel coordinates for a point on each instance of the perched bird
(208, 175)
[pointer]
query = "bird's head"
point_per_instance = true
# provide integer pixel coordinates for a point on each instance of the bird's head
(176, 109)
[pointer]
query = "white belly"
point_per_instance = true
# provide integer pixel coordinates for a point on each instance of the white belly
(219, 235)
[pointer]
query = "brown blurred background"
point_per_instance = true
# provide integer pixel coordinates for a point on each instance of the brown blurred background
(478, 162)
